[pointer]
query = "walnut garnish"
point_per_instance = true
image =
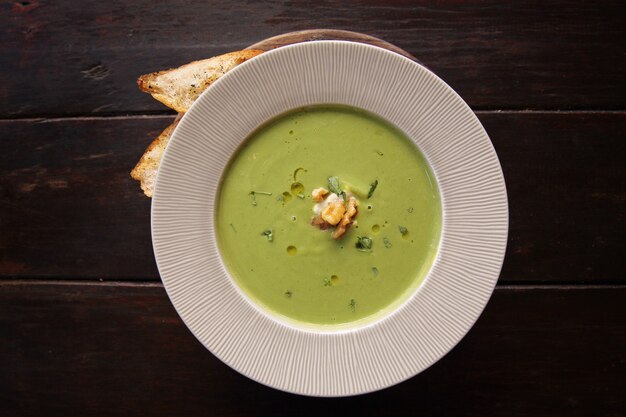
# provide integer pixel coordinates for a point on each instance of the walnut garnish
(334, 208)
(319, 194)
(347, 218)
(333, 213)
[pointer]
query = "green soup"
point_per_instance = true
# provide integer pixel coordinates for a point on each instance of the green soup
(293, 269)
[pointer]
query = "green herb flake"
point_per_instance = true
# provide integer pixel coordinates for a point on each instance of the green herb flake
(374, 271)
(372, 189)
(333, 185)
(387, 243)
(403, 230)
(269, 234)
(327, 282)
(288, 294)
(363, 243)
(232, 226)
(379, 153)
(352, 305)
(410, 209)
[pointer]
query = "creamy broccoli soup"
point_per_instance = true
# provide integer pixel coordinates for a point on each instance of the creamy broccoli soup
(327, 215)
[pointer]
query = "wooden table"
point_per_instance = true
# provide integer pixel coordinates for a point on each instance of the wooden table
(85, 325)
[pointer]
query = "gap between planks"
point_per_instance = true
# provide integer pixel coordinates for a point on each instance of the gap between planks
(158, 284)
(168, 114)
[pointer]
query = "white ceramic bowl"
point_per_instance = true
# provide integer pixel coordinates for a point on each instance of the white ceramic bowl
(351, 360)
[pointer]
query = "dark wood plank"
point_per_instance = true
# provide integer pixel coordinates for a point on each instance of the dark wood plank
(57, 58)
(565, 181)
(69, 208)
(100, 349)
(67, 202)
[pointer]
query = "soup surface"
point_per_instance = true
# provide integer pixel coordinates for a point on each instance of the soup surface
(293, 268)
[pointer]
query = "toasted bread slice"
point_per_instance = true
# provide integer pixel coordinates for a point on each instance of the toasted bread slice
(179, 88)
(146, 169)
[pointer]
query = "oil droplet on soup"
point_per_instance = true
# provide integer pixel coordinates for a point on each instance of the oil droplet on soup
(297, 188)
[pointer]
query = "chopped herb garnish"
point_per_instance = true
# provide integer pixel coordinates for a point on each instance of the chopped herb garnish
(372, 188)
(363, 243)
(288, 294)
(333, 186)
(403, 230)
(375, 271)
(327, 282)
(352, 305)
(379, 153)
(233, 227)
(268, 233)
(387, 243)
(410, 209)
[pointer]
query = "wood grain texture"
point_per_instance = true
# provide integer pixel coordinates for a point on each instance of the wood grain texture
(565, 181)
(57, 58)
(69, 208)
(122, 350)
(67, 202)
